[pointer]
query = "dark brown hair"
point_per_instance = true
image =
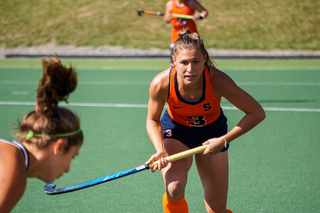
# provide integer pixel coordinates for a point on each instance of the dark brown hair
(189, 40)
(48, 118)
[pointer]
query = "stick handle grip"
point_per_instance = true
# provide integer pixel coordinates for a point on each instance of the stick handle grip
(183, 16)
(182, 155)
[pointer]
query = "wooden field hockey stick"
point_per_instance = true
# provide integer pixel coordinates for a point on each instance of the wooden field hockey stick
(140, 12)
(182, 155)
(51, 190)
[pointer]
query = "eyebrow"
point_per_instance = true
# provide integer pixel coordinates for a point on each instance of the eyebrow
(190, 59)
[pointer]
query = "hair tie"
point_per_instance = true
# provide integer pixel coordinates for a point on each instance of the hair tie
(225, 142)
(29, 135)
(183, 34)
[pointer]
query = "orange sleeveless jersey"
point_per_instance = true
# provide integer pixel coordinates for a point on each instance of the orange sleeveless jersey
(179, 23)
(193, 114)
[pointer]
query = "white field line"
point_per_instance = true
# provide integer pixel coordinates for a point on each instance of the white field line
(115, 105)
(141, 83)
(272, 69)
(83, 83)
(242, 69)
(279, 83)
(278, 109)
(89, 68)
(20, 93)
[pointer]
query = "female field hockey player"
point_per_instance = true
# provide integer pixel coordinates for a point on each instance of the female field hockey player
(50, 136)
(183, 7)
(193, 89)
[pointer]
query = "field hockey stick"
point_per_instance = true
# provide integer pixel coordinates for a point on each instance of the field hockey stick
(183, 16)
(51, 190)
(140, 12)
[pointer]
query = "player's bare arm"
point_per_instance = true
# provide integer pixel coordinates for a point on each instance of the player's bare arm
(168, 16)
(158, 95)
(224, 86)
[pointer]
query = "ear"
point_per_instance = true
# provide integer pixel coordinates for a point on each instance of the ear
(59, 145)
(174, 59)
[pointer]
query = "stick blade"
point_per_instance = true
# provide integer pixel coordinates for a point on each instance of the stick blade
(140, 11)
(49, 188)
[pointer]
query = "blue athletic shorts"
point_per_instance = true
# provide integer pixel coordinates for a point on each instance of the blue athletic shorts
(194, 136)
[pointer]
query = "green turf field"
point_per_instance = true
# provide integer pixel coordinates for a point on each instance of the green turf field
(273, 168)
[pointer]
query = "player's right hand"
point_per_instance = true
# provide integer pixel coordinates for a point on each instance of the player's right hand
(162, 161)
(168, 17)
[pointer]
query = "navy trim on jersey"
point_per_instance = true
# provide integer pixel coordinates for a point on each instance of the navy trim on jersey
(203, 96)
(169, 83)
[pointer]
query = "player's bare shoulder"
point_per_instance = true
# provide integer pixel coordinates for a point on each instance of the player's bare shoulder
(12, 158)
(216, 75)
(161, 79)
(15, 177)
(169, 5)
(160, 83)
(220, 81)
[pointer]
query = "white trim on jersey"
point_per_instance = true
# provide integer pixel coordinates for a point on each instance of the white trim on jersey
(21, 147)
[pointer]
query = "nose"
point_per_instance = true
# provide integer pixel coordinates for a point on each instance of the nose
(189, 67)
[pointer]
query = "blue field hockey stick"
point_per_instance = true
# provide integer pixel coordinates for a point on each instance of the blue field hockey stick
(50, 189)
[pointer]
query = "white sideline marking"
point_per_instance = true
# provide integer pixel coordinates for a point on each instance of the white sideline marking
(141, 83)
(279, 83)
(20, 93)
(91, 68)
(262, 69)
(278, 109)
(19, 82)
(242, 69)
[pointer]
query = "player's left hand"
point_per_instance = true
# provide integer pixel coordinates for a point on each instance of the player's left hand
(196, 16)
(215, 145)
